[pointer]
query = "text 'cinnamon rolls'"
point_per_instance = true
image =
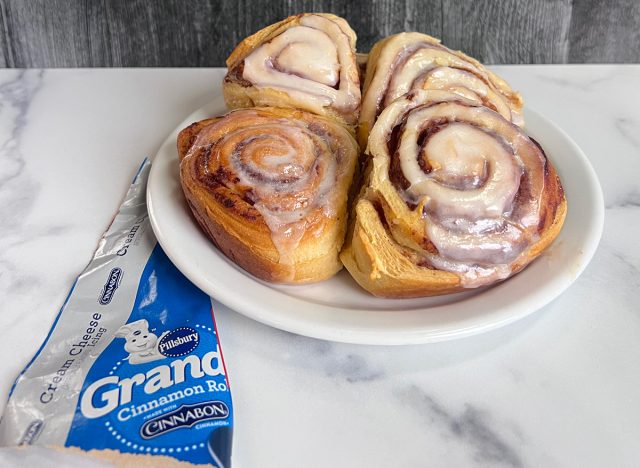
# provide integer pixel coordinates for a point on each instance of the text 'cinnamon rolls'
(269, 186)
(456, 197)
(306, 61)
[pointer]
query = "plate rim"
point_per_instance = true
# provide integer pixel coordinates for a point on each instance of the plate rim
(510, 313)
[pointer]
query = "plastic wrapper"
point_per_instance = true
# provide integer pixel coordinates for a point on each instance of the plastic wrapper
(133, 362)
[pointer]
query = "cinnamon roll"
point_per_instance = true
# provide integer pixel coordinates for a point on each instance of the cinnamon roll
(407, 61)
(306, 61)
(269, 187)
(456, 197)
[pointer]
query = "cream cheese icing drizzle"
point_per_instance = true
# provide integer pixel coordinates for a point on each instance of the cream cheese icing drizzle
(314, 62)
(286, 167)
(412, 61)
(477, 177)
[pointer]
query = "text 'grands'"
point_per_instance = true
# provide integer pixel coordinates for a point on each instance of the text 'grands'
(106, 394)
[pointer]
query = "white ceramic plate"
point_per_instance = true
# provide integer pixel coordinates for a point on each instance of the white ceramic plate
(337, 309)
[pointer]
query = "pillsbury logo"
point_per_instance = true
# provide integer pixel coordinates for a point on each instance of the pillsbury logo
(185, 416)
(179, 342)
(113, 281)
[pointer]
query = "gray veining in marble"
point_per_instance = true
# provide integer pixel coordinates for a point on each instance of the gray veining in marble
(629, 199)
(557, 389)
(628, 129)
(469, 426)
(18, 191)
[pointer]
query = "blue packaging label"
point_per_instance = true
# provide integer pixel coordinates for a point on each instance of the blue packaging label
(133, 362)
(160, 387)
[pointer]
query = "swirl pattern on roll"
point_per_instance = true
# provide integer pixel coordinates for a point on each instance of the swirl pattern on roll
(410, 61)
(460, 188)
(284, 169)
(306, 61)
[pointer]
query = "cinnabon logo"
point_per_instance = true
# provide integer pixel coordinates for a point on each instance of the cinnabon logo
(113, 281)
(185, 416)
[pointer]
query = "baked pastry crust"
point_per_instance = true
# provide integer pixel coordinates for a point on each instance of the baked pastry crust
(269, 187)
(406, 61)
(317, 73)
(389, 251)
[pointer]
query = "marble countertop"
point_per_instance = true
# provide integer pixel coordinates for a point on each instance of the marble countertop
(560, 388)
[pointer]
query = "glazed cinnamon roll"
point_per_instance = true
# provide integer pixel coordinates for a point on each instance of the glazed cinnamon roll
(306, 61)
(407, 61)
(269, 187)
(456, 197)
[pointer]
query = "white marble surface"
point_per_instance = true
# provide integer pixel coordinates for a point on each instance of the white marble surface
(560, 388)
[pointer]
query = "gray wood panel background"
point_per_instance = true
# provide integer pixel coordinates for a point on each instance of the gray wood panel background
(179, 33)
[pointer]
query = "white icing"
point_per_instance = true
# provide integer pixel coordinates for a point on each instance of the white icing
(414, 61)
(308, 62)
(459, 150)
(317, 62)
(465, 84)
(474, 165)
(472, 275)
(286, 233)
(501, 245)
(419, 63)
(289, 171)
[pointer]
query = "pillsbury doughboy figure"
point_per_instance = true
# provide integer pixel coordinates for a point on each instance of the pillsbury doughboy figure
(141, 344)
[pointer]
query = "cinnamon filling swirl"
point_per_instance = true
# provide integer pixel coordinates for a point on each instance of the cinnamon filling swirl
(413, 61)
(313, 62)
(284, 168)
(479, 180)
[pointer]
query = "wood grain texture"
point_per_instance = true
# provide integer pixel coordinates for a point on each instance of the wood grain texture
(528, 31)
(605, 29)
(177, 33)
